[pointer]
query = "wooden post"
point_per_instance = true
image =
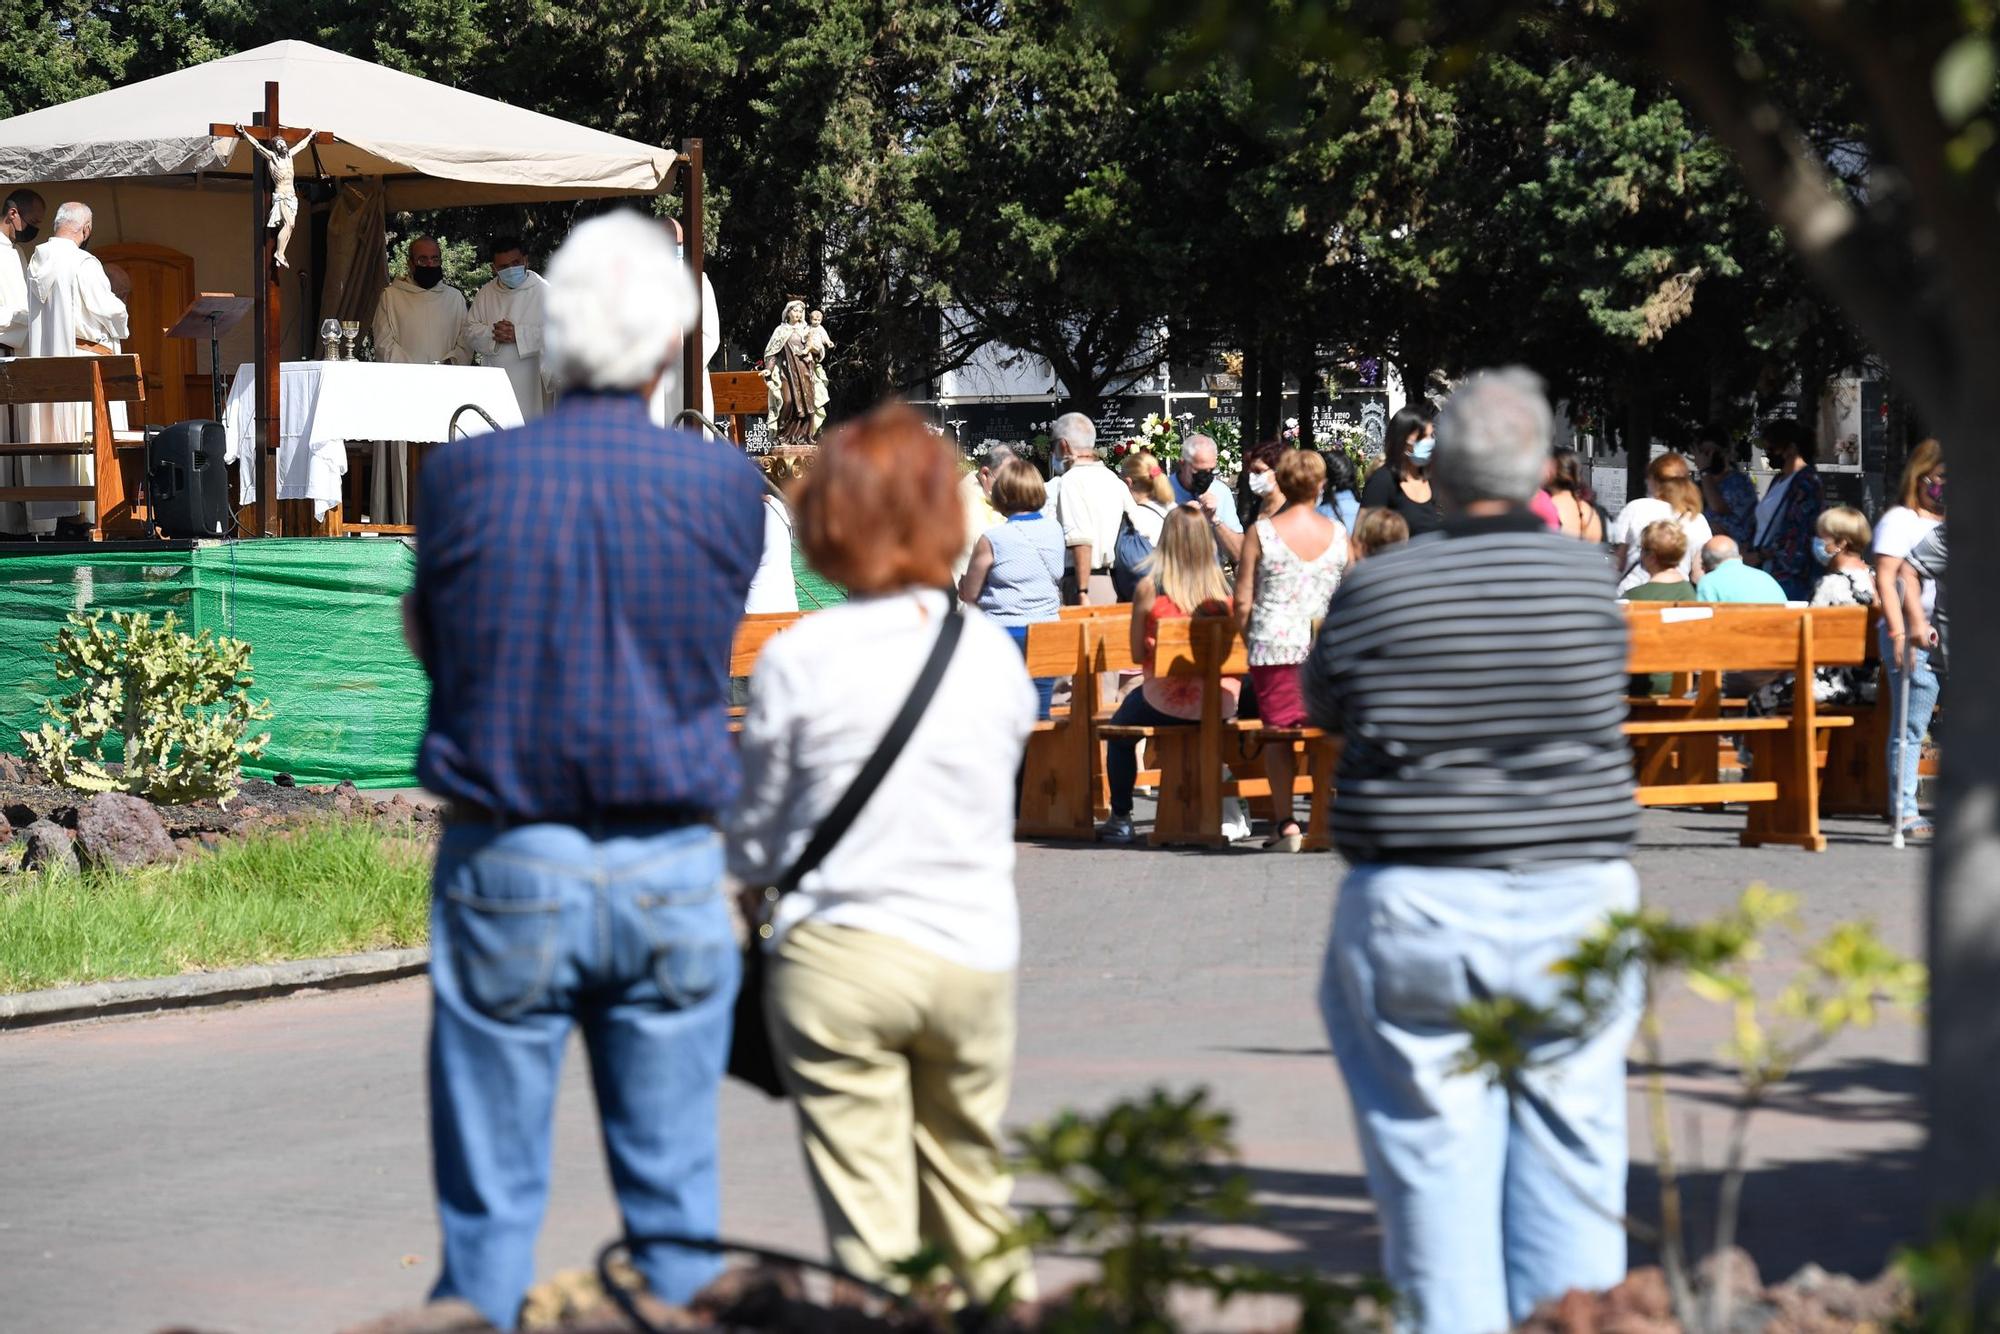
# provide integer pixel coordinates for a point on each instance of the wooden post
(693, 368)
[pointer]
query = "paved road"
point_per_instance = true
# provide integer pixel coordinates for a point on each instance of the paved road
(264, 1167)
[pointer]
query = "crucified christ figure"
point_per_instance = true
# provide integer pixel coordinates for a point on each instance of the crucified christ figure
(284, 192)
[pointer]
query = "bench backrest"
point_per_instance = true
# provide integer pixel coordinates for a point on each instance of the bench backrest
(1053, 647)
(72, 379)
(1744, 638)
(1199, 646)
(752, 633)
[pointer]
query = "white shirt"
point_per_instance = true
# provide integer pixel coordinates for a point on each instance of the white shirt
(1897, 533)
(1149, 519)
(773, 587)
(13, 298)
(69, 298)
(1630, 526)
(1092, 501)
(422, 326)
(522, 358)
(930, 859)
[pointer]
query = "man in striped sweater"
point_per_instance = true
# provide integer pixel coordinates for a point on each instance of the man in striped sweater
(1486, 808)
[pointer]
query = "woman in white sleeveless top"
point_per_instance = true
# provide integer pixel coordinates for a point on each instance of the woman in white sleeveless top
(1291, 561)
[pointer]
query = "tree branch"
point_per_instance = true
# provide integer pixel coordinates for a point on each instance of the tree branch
(1834, 240)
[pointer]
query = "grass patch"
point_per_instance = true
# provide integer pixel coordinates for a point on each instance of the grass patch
(334, 888)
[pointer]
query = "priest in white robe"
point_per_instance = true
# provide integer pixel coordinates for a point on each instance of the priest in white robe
(668, 400)
(505, 325)
(420, 320)
(72, 313)
(20, 222)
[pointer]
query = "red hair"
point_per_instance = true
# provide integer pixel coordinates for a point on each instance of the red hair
(880, 511)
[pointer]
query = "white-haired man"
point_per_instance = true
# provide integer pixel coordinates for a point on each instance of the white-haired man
(72, 313)
(1195, 482)
(419, 320)
(579, 580)
(1092, 501)
(1484, 845)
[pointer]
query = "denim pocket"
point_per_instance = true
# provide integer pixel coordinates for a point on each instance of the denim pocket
(1420, 973)
(692, 952)
(502, 922)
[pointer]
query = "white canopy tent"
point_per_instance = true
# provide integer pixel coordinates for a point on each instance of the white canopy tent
(392, 141)
(431, 146)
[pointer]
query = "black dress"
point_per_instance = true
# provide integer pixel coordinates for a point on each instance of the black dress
(1383, 492)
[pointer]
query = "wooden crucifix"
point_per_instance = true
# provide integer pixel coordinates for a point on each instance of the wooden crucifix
(272, 138)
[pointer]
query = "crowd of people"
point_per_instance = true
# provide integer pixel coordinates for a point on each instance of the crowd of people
(579, 728)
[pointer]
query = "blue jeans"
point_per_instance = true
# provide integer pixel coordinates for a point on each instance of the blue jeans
(1480, 1195)
(1121, 755)
(626, 935)
(1907, 734)
(1045, 686)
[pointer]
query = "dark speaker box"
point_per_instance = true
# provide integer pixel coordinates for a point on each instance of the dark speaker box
(187, 482)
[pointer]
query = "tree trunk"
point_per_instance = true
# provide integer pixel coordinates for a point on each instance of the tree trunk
(1270, 396)
(1308, 383)
(1246, 401)
(1963, 1077)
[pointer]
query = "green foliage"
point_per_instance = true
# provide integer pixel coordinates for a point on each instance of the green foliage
(174, 708)
(324, 890)
(1847, 976)
(1137, 1177)
(1952, 1275)
(465, 266)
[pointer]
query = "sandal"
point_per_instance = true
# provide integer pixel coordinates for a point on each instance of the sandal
(1919, 828)
(1282, 842)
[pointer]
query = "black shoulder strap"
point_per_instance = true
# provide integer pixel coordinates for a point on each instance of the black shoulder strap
(834, 827)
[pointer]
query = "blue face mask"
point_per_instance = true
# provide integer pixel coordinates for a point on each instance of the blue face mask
(513, 275)
(1421, 451)
(1822, 552)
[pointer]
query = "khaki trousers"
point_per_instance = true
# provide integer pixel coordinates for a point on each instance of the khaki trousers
(900, 1062)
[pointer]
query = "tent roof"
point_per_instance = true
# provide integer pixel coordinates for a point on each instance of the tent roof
(434, 146)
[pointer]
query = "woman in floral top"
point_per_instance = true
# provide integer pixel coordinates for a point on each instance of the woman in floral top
(1788, 514)
(1729, 497)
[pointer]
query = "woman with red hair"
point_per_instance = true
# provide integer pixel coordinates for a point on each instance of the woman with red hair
(889, 985)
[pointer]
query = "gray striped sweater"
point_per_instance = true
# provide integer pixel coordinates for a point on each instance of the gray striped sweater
(1479, 677)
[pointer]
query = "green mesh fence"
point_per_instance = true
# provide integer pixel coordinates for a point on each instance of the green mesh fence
(322, 619)
(324, 626)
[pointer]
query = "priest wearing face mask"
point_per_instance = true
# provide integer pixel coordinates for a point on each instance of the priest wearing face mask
(420, 320)
(506, 325)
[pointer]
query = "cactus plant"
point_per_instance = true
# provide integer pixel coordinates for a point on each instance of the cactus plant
(178, 704)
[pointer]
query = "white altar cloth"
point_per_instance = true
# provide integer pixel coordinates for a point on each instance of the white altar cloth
(322, 405)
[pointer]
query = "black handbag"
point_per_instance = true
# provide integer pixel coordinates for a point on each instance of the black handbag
(751, 1058)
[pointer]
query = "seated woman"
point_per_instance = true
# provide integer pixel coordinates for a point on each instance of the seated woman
(1376, 530)
(1840, 542)
(1662, 549)
(1183, 578)
(1015, 573)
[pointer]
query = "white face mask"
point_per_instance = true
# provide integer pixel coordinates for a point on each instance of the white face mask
(1262, 482)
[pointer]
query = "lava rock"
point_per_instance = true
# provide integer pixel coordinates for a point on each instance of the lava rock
(12, 770)
(49, 849)
(121, 832)
(19, 814)
(284, 780)
(6, 831)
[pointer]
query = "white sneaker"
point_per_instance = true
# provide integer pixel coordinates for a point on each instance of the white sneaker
(1235, 819)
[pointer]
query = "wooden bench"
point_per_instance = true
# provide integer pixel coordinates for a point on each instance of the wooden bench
(1782, 787)
(1193, 756)
(117, 457)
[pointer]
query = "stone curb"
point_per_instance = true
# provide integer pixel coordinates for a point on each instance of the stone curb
(96, 1000)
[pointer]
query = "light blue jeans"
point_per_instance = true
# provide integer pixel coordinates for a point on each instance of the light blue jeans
(1488, 1204)
(625, 935)
(1907, 734)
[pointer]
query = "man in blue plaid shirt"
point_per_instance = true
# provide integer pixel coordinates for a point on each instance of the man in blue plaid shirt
(579, 581)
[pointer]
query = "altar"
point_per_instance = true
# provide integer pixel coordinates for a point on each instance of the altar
(324, 406)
